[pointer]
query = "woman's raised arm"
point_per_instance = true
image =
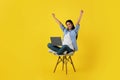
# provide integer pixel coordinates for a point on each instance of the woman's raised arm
(58, 22)
(79, 19)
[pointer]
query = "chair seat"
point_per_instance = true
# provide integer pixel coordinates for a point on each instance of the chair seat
(64, 54)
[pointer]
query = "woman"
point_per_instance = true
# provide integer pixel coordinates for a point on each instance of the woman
(69, 43)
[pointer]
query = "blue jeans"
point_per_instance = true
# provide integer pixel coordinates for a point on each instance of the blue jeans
(59, 50)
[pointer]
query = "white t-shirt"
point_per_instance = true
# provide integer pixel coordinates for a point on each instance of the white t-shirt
(67, 41)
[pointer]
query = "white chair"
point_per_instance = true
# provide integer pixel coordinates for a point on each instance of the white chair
(65, 58)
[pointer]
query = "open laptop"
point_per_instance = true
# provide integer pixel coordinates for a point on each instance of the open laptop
(56, 41)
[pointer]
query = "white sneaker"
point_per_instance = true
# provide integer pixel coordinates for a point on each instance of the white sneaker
(70, 53)
(51, 51)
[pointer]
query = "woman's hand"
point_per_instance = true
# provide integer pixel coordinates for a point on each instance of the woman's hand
(81, 12)
(53, 14)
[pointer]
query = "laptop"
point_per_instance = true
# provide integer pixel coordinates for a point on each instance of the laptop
(56, 41)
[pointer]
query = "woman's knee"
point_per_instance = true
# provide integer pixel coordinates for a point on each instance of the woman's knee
(49, 44)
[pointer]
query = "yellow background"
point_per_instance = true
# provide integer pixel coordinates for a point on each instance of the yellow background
(25, 28)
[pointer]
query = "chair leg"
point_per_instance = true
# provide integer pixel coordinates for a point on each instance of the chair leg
(57, 63)
(63, 63)
(72, 63)
(66, 63)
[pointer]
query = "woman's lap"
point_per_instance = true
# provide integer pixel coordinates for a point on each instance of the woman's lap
(59, 50)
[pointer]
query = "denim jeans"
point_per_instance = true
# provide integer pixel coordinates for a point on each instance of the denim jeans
(59, 50)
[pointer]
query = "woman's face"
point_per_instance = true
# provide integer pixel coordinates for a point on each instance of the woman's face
(69, 25)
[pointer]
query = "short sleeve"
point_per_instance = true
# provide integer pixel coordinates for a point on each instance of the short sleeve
(62, 27)
(77, 27)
